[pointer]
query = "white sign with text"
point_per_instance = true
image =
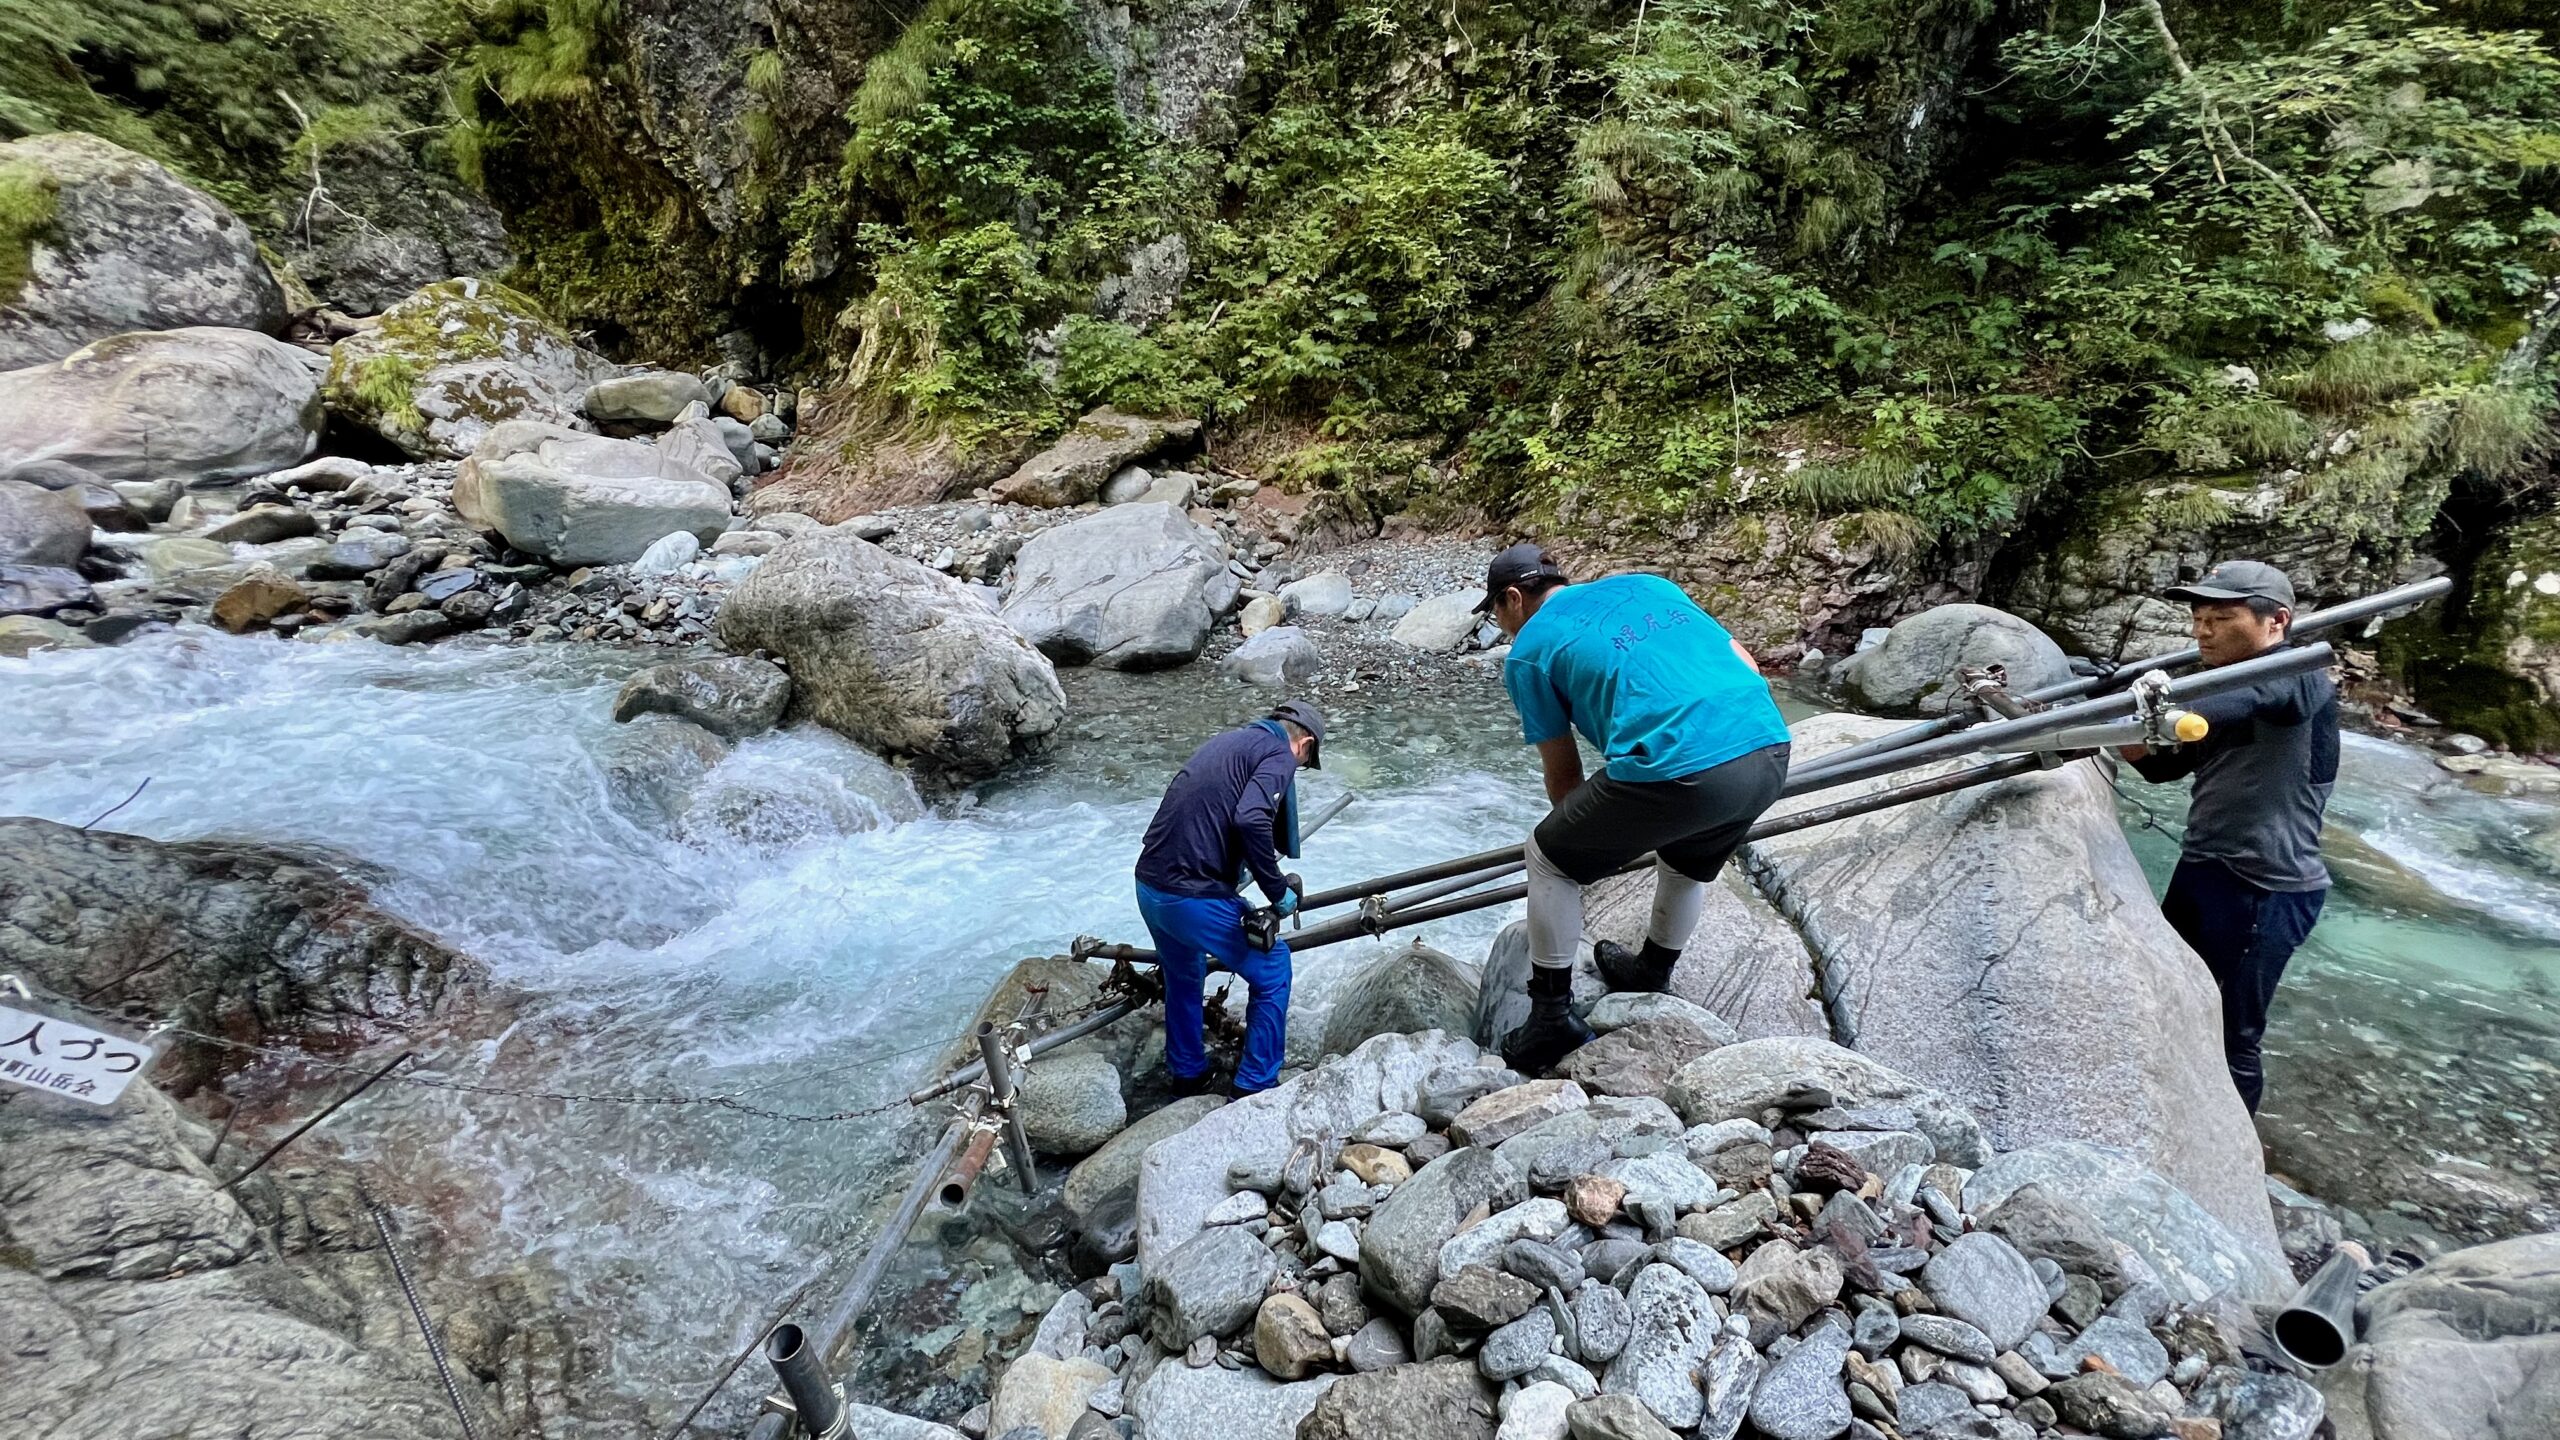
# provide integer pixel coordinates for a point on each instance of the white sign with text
(41, 1052)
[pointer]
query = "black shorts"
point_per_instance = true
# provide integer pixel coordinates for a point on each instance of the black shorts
(1694, 823)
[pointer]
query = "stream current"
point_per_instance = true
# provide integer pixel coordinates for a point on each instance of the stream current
(786, 922)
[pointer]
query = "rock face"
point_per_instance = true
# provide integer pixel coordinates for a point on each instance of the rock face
(732, 696)
(193, 404)
(141, 1291)
(1126, 589)
(1073, 470)
(260, 941)
(580, 499)
(391, 226)
(129, 247)
(2465, 1347)
(1914, 671)
(455, 359)
(40, 526)
(2057, 1004)
(895, 657)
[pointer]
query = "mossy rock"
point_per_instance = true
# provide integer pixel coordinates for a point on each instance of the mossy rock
(453, 360)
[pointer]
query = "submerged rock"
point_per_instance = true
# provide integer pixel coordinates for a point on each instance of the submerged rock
(40, 526)
(732, 696)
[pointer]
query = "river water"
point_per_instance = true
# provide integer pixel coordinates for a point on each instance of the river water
(786, 922)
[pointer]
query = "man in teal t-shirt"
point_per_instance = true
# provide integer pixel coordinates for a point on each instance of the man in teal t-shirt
(1695, 750)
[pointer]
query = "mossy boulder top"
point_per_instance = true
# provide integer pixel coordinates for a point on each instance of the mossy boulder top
(455, 359)
(101, 241)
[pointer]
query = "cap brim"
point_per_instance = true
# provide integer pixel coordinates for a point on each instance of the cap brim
(1483, 606)
(2208, 593)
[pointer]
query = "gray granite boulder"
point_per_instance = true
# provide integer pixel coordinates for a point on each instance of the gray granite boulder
(2192, 1251)
(1400, 1247)
(2467, 1347)
(580, 499)
(1126, 589)
(1211, 1285)
(1409, 989)
(198, 404)
(1101, 1193)
(1914, 671)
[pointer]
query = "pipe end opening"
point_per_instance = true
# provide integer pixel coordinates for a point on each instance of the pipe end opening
(2311, 1338)
(784, 1343)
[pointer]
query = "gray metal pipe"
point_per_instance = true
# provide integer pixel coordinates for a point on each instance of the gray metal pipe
(968, 1074)
(2318, 1325)
(818, 1404)
(2318, 622)
(1000, 1093)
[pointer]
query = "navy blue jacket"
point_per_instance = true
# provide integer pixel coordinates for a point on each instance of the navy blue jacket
(1220, 816)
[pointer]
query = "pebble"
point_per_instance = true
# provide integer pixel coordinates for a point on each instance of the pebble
(1602, 1322)
(1378, 1345)
(1517, 1348)
(2129, 1349)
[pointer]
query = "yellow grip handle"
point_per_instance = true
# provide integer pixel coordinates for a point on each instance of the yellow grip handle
(2191, 727)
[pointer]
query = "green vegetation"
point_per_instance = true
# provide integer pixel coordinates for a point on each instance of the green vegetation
(26, 213)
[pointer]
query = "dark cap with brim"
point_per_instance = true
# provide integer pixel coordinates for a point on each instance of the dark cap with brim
(1307, 717)
(1515, 567)
(2236, 580)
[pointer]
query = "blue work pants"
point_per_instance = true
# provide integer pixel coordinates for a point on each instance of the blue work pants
(1189, 932)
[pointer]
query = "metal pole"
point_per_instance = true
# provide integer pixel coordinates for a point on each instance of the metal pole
(968, 1074)
(816, 1402)
(2317, 622)
(1000, 1093)
(2215, 681)
(305, 1127)
(1420, 875)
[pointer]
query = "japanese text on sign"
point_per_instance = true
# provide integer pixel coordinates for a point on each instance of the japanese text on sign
(60, 1058)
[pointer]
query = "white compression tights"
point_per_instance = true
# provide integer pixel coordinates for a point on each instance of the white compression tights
(1555, 909)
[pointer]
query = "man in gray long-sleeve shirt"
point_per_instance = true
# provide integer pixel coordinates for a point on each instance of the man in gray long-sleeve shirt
(2249, 883)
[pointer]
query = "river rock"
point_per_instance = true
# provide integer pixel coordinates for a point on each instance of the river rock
(898, 658)
(1914, 671)
(1517, 1348)
(40, 526)
(1639, 1058)
(264, 525)
(1665, 1175)
(1322, 596)
(579, 499)
(1602, 1323)
(1074, 469)
(1480, 1298)
(1782, 1286)
(1614, 1417)
(873, 1423)
(1410, 989)
(455, 359)
(262, 941)
(1126, 589)
(1210, 1285)
(2058, 1004)
(1983, 1281)
(24, 635)
(1444, 1399)
(2104, 1403)
(1622, 1008)
(1377, 1345)
(1483, 1243)
(1609, 1120)
(1536, 1412)
(1801, 1397)
(1071, 1103)
(2194, 1254)
(358, 555)
(1441, 623)
(1177, 1402)
(1101, 1193)
(127, 247)
(1738, 1082)
(257, 598)
(2465, 1347)
(651, 396)
(1507, 1113)
(1951, 1337)
(732, 696)
(1280, 656)
(200, 404)
(1043, 1394)
(41, 589)
(1289, 1338)
(2126, 1345)
(1674, 1325)
(1400, 1248)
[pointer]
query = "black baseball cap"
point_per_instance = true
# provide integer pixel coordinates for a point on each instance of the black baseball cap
(2237, 580)
(1307, 717)
(1518, 565)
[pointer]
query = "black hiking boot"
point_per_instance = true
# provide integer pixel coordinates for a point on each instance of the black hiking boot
(1552, 1030)
(1648, 969)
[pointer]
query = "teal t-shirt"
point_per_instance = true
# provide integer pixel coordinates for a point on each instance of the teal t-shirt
(1651, 680)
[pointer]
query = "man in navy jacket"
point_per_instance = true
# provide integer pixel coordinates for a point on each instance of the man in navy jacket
(1228, 816)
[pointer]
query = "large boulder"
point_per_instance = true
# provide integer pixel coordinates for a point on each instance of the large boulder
(458, 357)
(2466, 1349)
(581, 499)
(125, 246)
(1744, 962)
(1126, 588)
(1101, 1194)
(1914, 670)
(1074, 469)
(1441, 623)
(1410, 988)
(2001, 945)
(1738, 1082)
(227, 938)
(895, 657)
(1184, 1175)
(40, 526)
(1400, 1247)
(195, 404)
(2195, 1253)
